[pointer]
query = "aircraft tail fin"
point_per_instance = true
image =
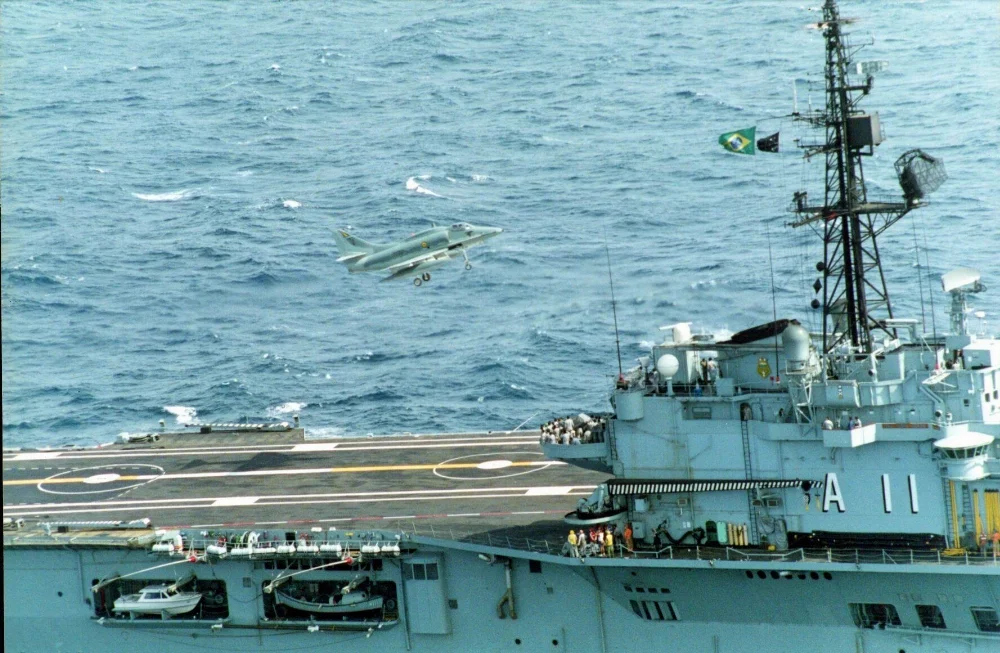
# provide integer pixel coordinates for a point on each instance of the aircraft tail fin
(351, 247)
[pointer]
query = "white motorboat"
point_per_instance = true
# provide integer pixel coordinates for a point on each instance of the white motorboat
(158, 599)
(336, 604)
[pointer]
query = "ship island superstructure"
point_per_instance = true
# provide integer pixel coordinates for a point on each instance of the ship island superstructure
(827, 491)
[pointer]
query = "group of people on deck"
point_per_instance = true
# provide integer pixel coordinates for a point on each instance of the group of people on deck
(853, 423)
(582, 429)
(598, 541)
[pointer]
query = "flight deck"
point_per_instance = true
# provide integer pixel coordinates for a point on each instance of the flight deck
(457, 483)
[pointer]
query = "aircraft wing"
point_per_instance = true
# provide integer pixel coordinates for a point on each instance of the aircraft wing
(439, 256)
(417, 266)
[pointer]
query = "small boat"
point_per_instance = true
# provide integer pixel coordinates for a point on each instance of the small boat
(337, 603)
(158, 599)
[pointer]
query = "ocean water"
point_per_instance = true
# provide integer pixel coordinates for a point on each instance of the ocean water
(170, 175)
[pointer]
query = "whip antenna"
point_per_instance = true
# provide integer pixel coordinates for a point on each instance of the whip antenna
(614, 310)
(774, 299)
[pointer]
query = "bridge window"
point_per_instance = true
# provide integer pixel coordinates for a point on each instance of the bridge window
(986, 620)
(930, 616)
(874, 615)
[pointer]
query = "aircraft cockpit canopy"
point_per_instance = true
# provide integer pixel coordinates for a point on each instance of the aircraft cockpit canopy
(461, 226)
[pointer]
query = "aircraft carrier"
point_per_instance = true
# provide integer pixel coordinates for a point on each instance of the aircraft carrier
(784, 490)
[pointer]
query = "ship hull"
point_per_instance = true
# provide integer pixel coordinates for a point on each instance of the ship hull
(561, 604)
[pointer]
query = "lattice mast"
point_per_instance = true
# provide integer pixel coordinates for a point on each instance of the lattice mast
(856, 301)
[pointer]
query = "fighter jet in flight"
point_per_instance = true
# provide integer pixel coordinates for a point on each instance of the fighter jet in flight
(415, 256)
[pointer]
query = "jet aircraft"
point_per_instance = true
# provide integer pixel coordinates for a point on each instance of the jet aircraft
(414, 256)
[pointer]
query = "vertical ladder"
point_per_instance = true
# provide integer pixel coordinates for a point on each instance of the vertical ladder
(748, 469)
(611, 439)
(949, 515)
(967, 519)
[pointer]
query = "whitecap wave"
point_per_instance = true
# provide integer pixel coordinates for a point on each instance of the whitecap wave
(286, 408)
(291, 204)
(411, 184)
(166, 197)
(480, 178)
(184, 414)
(100, 171)
(325, 433)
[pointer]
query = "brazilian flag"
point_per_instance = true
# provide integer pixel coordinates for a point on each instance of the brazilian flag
(739, 142)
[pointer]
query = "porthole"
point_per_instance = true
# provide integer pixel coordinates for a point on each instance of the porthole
(555, 642)
(813, 575)
(761, 574)
(827, 575)
(518, 641)
(749, 574)
(775, 575)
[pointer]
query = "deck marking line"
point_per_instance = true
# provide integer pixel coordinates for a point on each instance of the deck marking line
(548, 491)
(316, 446)
(148, 508)
(325, 495)
(235, 501)
(254, 449)
(289, 472)
(36, 455)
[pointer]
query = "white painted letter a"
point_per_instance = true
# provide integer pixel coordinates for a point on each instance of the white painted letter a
(831, 494)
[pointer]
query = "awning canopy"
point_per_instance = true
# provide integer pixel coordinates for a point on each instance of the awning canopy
(627, 486)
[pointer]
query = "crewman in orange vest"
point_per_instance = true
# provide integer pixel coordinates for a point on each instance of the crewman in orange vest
(996, 543)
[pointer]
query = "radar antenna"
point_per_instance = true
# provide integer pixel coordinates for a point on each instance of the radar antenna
(856, 301)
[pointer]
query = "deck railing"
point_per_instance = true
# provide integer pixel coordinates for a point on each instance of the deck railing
(553, 546)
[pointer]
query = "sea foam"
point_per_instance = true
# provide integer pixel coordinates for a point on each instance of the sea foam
(184, 414)
(412, 184)
(165, 197)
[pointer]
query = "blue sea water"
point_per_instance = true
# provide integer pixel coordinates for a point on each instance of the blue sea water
(171, 172)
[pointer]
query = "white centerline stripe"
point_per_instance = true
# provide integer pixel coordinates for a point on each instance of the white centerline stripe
(286, 503)
(316, 446)
(326, 495)
(548, 491)
(37, 455)
(235, 501)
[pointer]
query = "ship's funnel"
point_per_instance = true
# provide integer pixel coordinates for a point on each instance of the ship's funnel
(919, 174)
